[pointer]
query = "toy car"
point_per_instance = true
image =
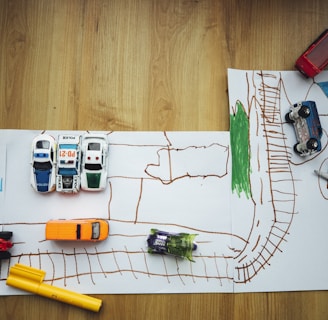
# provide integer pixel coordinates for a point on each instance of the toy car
(5, 244)
(68, 164)
(176, 244)
(43, 161)
(315, 57)
(304, 116)
(79, 229)
(94, 162)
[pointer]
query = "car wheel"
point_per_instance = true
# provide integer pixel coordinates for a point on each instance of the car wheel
(312, 144)
(304, 111)
(288, 119)
(6, 235)
(295, 148)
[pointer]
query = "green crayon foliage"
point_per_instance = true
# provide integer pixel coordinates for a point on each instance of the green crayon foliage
(239, 140)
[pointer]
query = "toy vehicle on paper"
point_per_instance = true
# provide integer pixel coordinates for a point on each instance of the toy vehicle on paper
(43, 161)
(94, 162)
(5, 244)
(304, 116)
(68, 164)
(176, 244)
(77, 229)
(315, 57)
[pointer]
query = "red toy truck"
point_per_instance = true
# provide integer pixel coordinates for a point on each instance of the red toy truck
(5, 244)
(315, 58)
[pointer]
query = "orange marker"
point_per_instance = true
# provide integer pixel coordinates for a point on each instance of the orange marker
(30, 279)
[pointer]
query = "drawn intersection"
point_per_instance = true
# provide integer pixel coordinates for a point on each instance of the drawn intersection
(150, 185)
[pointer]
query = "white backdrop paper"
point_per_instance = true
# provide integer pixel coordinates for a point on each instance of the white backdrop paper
(287, 214)
(276, 240)
(173, 181)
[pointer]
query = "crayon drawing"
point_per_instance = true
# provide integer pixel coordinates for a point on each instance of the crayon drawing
(283, 186)
(258, 209)
(172, 181)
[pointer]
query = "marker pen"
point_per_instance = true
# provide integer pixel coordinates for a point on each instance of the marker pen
(30, 279)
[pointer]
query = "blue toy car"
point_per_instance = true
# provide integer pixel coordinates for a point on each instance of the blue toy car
(305, 118)
(177, 244)
(43, 161)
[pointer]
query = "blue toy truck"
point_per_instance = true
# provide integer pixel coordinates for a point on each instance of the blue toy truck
(305, 118)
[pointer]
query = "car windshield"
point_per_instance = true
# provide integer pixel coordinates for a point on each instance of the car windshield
(95, 230)
(43, 166)
(67, 172)
(317, 55)
(94, 146)
(93, 166)
(43, 144)
(78, 231)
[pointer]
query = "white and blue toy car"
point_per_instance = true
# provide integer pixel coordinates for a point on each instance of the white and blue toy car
(94, 162)
(68, 164)
(305, 119)
(43, 161)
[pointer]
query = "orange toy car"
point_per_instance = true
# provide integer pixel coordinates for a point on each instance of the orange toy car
(79, 229)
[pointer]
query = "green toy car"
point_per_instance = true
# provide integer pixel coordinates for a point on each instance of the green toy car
(177, 244)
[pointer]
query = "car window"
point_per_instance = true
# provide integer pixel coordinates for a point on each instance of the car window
(317, 54)
(93, 166)
(42, 144)
(95, 230)
(43, 166)
(94, 146)
(78, 231)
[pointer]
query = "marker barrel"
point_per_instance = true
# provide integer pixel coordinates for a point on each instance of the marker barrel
(30, 279)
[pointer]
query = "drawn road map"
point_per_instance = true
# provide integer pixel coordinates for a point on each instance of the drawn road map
(286, 209)
(264, 233)
(174, 181)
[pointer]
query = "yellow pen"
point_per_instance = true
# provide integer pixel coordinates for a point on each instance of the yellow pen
(30, 279)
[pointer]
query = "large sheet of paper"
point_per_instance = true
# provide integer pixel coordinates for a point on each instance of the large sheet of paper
(266, 233)
(172, 181)
(283, 215)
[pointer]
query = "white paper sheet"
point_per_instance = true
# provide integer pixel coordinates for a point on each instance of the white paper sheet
(272, 239)
(172, 181)
(286, 216)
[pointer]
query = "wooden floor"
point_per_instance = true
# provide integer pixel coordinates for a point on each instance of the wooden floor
(147, 65)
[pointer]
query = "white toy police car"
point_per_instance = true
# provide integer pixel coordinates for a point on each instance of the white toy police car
(94, 162)
(68, 164)
(43, 161)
